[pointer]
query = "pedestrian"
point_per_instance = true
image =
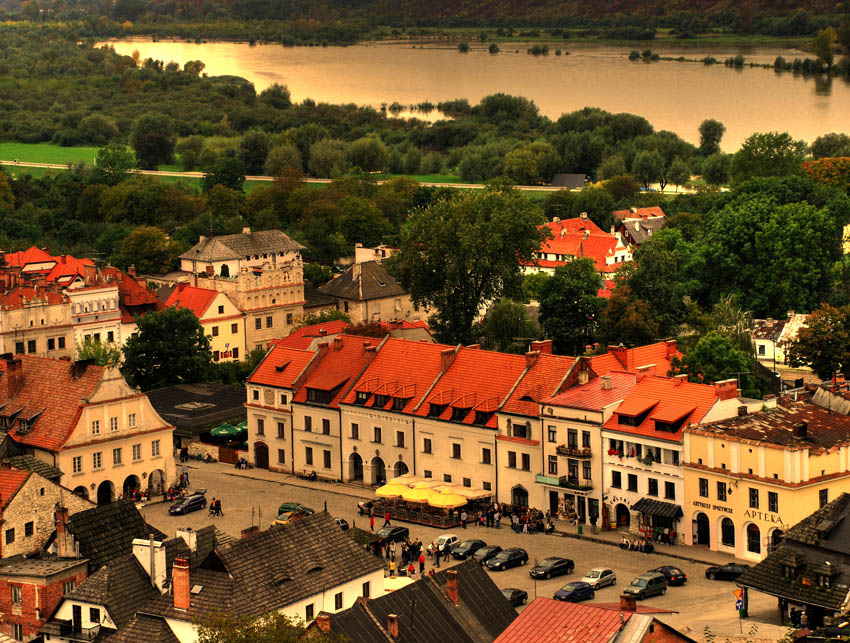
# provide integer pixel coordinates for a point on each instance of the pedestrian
(392, 551)
(463, 518)
(386, 551)
(421, 564)
(392, 568)
(437, 554)
(371, 522)
(387, 518)
(212, 508)
(218, 511)
(497, 517)
(185, 477)
(411, 570)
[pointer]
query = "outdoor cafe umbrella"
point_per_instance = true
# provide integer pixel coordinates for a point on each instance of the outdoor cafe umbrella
(391, 490)
(447, 499)
(225, 429)
(243, 425)
(419, 494)
(427, 484)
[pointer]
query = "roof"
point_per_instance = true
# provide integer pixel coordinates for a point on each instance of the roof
(303, 337)
(145, 628)
(620, 358)
(134, 297)
(547, 620)
(198, 300)
(538, 384)
(31, 463)
(281, 367)
(240, 246)
(315, 298)
(654, 398)
(639, 213)
(579, 237)
(48, 398)
(592, 396)
(640, 230)
(362, 282)
(101, 545)
(768, 328)
(340, 361)
(11, 480)
(67, 269)
(193, 406)
(20, 296)
(28, 256)
(44, 567)
(659, 508)
(569, 181)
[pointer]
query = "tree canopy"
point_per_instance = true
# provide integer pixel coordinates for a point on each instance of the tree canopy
(570, 306)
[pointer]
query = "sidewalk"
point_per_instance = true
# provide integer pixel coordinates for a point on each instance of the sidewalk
(699, 555)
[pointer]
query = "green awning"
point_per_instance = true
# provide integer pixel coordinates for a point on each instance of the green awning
(225, 429)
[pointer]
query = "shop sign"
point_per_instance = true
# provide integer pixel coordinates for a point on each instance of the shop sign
(764, 516)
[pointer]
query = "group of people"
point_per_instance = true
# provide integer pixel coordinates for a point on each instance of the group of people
(136, 495)
(174, 492)
(410, 554)
(522, 519)
(215, 508)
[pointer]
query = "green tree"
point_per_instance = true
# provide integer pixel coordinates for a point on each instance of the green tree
(532, 285)
(822, 45)
(505, 326)
(317, 274)
(679, 173)
(413, 161)
(713, 359)
(368, 153)
(463, 250)
(626, 319)
(570, 307)
(395, 161)
(324, 317)
(599, 205)
(7, 197)
(113, 162)
(824, 343)
(521, 167)
(189, 150)
(103, 353)
(269, 628)
(831, 145)
(97, 129)
(622, 188)
(328, 158)
(612, 166)
(153, 139)
(768, 154)
(227, 171)
(277, 96)
(715, 169)
(150, 250)
(710, 134)
(253, 150)
(170, 347)
(281, 157)
(648, 167)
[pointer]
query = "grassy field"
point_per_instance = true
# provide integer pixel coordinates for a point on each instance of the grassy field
(46, 153)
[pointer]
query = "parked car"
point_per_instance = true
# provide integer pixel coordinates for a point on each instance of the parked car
(673, 574)
(647, 585)
(447, 542)
(511, 557)
(486, 553)
(194, 501)
(364, 506)
(575, 592)
(729, 571)
(554, 566)
(390, 533)
(600, 577)
(288, 517)
(287, 507)
(467, 548)
(516, 597)
(342, 523)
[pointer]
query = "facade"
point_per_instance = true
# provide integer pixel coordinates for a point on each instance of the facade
(772, 336)
(37, 321)
(220, 318)
(96, 313)
(749, 478)
(86, 421)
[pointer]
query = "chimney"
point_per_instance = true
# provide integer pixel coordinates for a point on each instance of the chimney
(726, 389)
(370, 350)
(201, 239)
(451, 586)
(800, 430)
(14, 375)
(246, 230)
(64, 540)
(542, 346)
(531, 358)
(643, 371)
(583, 216)
(249, 531)
(322, 332)
(392, 625)
(620, 353)
(586, 235)
(323, 622)
(607, 382)
(355, 271)
(447, 356)
(474, 347)
(672, 347)
(131, 269)
(680, 378)
(628, 603)
(181, 584)
(337, 343)
(742, 410)
(556, 219)
(189, 536)
(583, 377)
(633, 210)
(563, 232)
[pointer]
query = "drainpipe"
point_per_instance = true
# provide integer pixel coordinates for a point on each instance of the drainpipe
(339, 414)
(413, 446)
(496, 466)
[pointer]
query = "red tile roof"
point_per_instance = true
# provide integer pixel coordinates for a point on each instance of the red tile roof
(304, 336)
(30, 255)
(51, 394)
(629, 359)
(67, 269)
(198, 300)
(18, 296)
(661, 398)
(281, 366)
(341, 360)
(546, 620)
(576, 224)
(11, 480)
(639, 213)
(539, 383)
(577, 238)
(592, 396)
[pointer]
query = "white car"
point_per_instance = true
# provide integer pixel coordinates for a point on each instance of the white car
(447, 542)
(599, 577)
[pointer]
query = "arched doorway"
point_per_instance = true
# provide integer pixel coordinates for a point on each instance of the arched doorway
(702, 530)
(82, 492)
(131, 483)
(355, 468)
(624, 516)
(753, 538)
(105, 492)
(776, 538)
(225, 270)
(261, 455)
(399, 469)
(156, 482)
(519, 496)
(727, 532)
(379, 471)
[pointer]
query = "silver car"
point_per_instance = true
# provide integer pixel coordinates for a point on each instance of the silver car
(600, 577)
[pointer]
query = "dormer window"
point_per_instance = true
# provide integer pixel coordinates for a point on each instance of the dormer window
(459, 414)
(669, 427)
(361, 398)
(319, 396)
(436, 410)
(482, 417)
(399, 403)
(381, 400)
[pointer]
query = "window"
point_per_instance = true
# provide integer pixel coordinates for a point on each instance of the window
(426, 445)
(376, 434)
(447, 477)
(721, 490)
(552, 434)
(19, 347)
(455, 450)
(526, 462)
(703, 487)
(486, 486)
(113, 424)
(110, 336)
(95, 427)
(308, 613)
(727, 532)
(512, 459)
(281, 456)
(281, 431)
(326, 426)
(485, 456)
(427, 473)
(221, 310)
(131, 420)
(16, 594)
(823, 497)
(137, 452)
(31, 346)
(585, 439)
(97, 460)
(753, 539)
(754, 498)
(399, 439)
(261, 426)
(77, 463)
(215, 331)
(675, 455)
(572, 438)
(289, 319)
(269, 321)
(572, 470)
(68, 586)
(670, 490)
(155, 449)
(51, 344)
(761, 349)
(772, 501)
(29, 529)
(94, 615)
(234, 352)
(585, 470)
(355, 431)
(116, 456)
(234, 329)
(255, 394)
(366, 589)
(61, 342)
(10, 536)
(284, 399)
(616, 480)
(18, 631)
(327, 462)
(553, 465)
(308, 456)
(258, 323)
(633, 484)
(338, 601)
(308, 423)
(652, 487)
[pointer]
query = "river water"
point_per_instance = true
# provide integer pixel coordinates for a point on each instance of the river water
(671, 95)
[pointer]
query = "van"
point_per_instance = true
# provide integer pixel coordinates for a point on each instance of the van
(647, 585)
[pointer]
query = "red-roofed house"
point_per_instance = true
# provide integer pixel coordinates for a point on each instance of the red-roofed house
(652, 212)
(307, 337)
(37, 321)
(223, 322)
(85, 420)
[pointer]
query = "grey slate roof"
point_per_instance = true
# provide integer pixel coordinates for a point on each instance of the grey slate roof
(218, 592)
(641, 230)
(372, 282)
(193, 406)
(144, 629)
(31, 463)
(239, 246)
(315, 298)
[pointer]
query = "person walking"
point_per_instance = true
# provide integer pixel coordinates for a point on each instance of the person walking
(437, 554)
(387, 518)
(218, 511)
(463, 518)
(371, 522)
(392, 551)
(392, 568)
(421, 564)
(497, 519)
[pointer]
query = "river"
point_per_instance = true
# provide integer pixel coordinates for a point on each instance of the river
(671, 95)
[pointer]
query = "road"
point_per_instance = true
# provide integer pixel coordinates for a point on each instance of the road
(700, 603)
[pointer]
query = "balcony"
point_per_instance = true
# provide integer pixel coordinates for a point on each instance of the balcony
(551, 480)
(66, 630)
(573, 483)
(573, 452)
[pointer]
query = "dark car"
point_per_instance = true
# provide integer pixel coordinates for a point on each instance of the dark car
(647, 585)
(673, 574)
(290, 507)
(194, 501)
(390, 533)
(486, 553)
(574, 592)
(516, 597)
(511, 557)
(729, 571)
(467, 548)
(554, 566)
(342, 523)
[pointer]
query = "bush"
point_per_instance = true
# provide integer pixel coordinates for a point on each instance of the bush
(463, 47)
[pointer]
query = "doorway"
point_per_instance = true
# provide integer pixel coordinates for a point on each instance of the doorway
(261, 455)
(702, 530)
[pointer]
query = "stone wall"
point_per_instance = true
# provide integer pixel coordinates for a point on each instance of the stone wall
(195, 447)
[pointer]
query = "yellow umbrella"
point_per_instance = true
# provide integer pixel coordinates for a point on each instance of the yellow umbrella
(408, 479)
(471, 494)
(419, 494)
(447, 499)
(391, 490)
(427, 484)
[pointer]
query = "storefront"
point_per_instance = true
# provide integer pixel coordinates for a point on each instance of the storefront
(659, 521)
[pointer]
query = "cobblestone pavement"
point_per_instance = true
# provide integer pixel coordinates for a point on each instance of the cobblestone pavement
(252, 497)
